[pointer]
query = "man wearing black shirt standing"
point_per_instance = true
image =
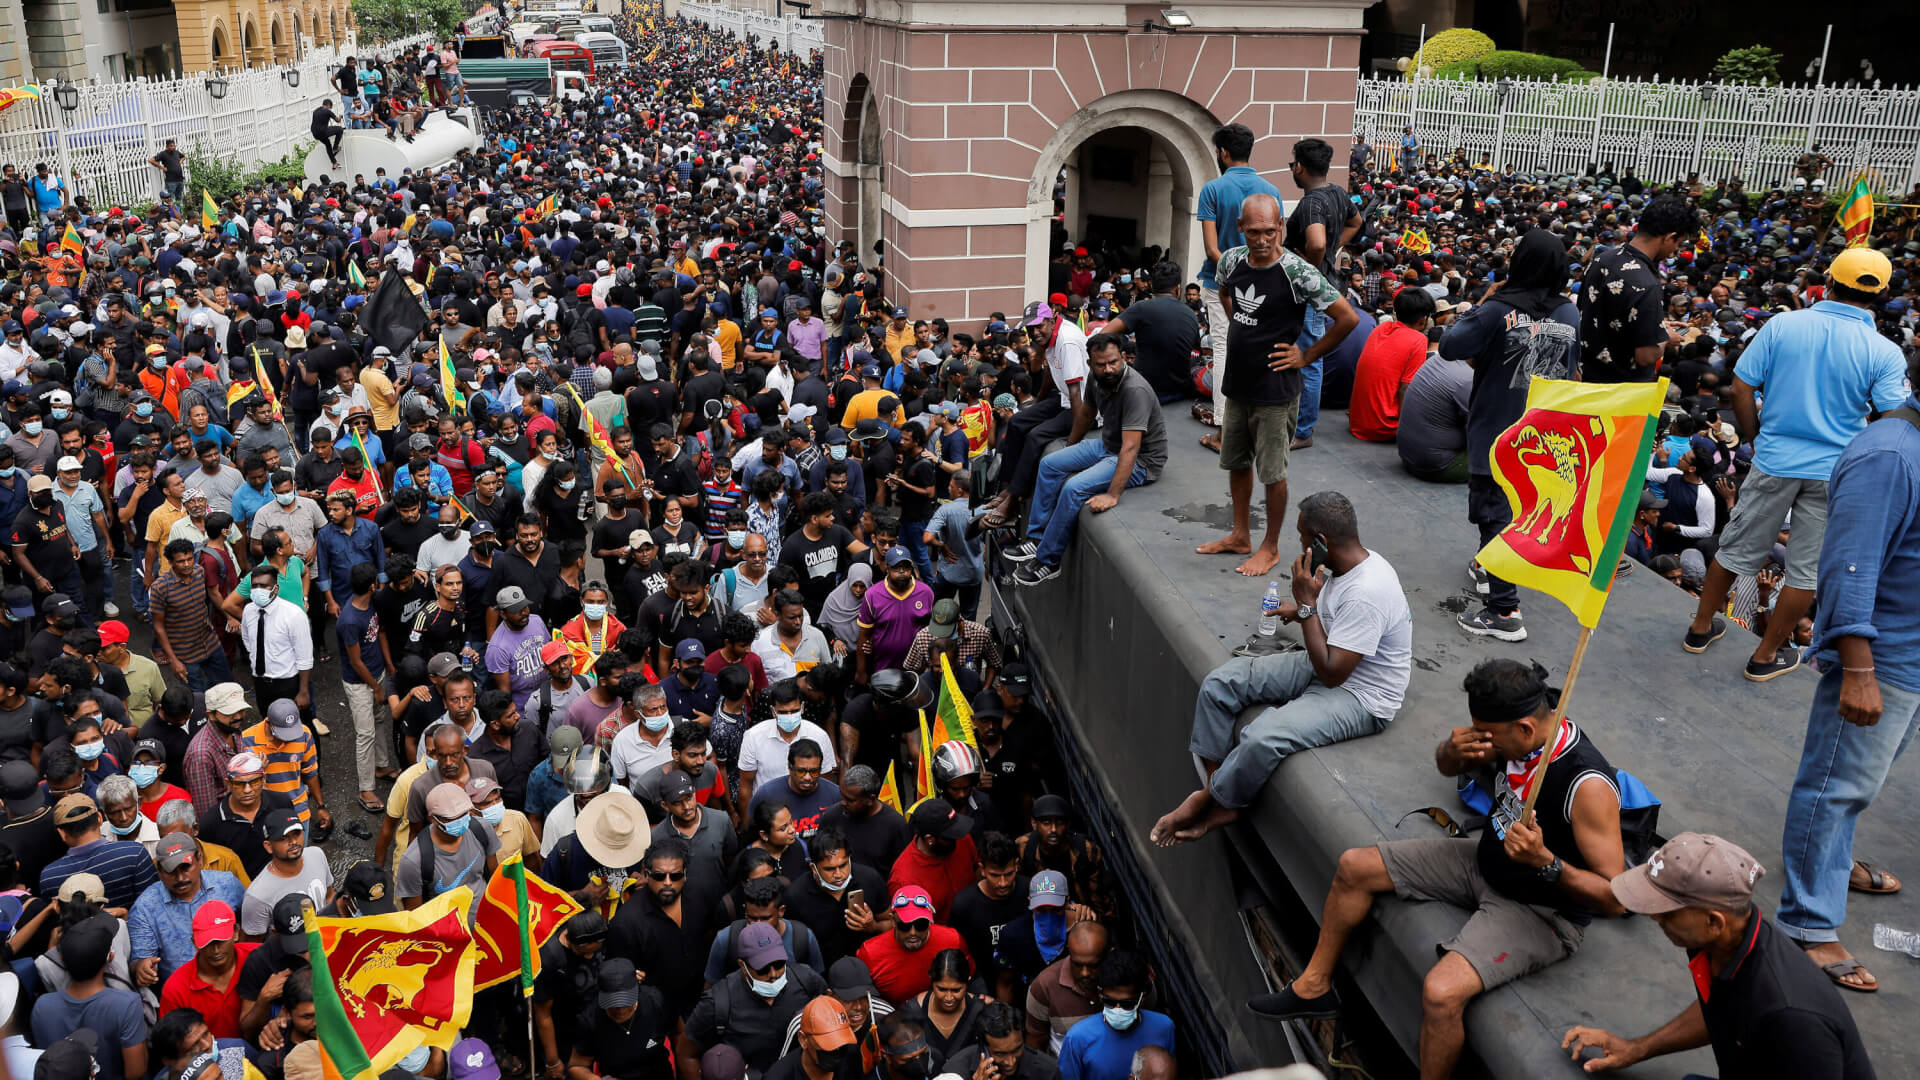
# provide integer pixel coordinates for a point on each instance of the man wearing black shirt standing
(819, 550)
(998, 898)
(1323, 220)
(911, 488)
(1165, 335)
(173, 179)
(43, 549)
(672, 473)
(1622, 302)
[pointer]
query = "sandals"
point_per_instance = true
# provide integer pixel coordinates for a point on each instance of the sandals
(373, 806)
(1879, 882)
(1837, 971)
(1211, 441)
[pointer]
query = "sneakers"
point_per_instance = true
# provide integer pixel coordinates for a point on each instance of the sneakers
(1487, 624)
(1697, 643)
(1482, 582)
(1287, 1005)
(1784, 661)
(1024, 551)
(112, 610)
(1033, 573)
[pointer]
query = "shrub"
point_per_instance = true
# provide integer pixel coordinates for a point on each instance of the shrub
(1512, 64)
(1452, 47)
(223, 178)
(1749, 65)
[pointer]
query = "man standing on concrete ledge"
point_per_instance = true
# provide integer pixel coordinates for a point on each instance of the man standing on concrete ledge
(1532, 886)
(1271, 290)
(1347, 682)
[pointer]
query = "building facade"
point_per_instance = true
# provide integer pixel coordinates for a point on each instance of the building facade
(121, 39)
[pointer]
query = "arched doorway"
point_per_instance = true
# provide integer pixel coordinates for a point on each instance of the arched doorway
(863, 136)
(247, 43)
(222, 48)
(1134, 162)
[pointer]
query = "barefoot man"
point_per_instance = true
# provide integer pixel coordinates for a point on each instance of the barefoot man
(1267, 291)
(1348, 682)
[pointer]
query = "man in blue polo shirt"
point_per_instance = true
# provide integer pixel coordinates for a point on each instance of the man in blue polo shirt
(1102, 1047)
(1219, 214)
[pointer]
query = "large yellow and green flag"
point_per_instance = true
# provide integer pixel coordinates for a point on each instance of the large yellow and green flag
(517, 914)
(209, 212)
(1855, 216)
(953, 716)
(450, 381)
(1572, 467)
(398, 980)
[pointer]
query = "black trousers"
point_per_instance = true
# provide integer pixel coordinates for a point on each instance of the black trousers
(1025, 441)
(329, 137)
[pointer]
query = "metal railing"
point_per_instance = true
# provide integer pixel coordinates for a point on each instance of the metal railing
(103, 144)
(1663, 130)
(790, 32)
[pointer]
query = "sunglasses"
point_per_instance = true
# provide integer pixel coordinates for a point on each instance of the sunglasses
(667, 875)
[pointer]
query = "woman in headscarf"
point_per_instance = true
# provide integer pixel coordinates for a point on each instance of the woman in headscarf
(841, 613)
(1523, 327)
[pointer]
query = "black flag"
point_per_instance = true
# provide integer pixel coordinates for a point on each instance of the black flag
(391, 316)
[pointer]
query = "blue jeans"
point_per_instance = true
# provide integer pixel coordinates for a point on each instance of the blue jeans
(137, 586)
(1301, 715)
(1315, 328)
(913, 537)
(1842, 767)
(1068, 478)
(209, 672)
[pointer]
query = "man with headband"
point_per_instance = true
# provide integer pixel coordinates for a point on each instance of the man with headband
(1532, 885)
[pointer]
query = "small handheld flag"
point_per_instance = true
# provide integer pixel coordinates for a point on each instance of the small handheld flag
(356, 276)
(70, 241)
(209, 212)
(449, 381)
(1855, 216)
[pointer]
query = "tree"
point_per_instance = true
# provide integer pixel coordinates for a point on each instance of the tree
(1755, 63)
(1451, 47)
(385, 20)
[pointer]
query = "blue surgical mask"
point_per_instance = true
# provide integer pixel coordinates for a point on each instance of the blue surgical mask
(261, 596)
(7, 473)
(416, 1060)
(143, 409)
(566, 485)
(128, 831)
(657, 723)
(284, 498)
(788, 722)
(594, 612)
(736, 538)
(768, 990)
(838, 453)
(32, 427)
(456, 827)
(159, 363)
(60, 414)
(1121, 1019)
(90, 751)
(494, 815)
(143, 775)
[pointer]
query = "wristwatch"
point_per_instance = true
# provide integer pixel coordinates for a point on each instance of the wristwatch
(1550, 873)
(1305, 612)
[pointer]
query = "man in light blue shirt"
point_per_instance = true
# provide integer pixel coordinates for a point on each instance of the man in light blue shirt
(1102, 1046)
(1819, 370)
(1219, 214)
(160, 923)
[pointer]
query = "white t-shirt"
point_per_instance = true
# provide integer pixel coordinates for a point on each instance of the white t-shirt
(1067, 356)
(633, 755)
(764, 753)
(781, 664)
(1365, 611)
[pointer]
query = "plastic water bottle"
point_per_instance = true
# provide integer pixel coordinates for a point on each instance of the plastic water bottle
(1270, 610)
(1894, 940)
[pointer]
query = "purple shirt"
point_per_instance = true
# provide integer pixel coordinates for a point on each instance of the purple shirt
(517, 654)
(894, 621)
(807, 337)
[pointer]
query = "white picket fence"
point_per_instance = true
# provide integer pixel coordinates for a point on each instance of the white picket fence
(103, 145)
(1664, 130)
(790, 32)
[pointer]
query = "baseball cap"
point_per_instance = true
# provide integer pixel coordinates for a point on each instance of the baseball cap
(1650, 501)
(443, 665)
(1692, 870)
(471, 1060)
(690, 649)
(69, 1059)
(1862, 268)
(912, 904)
(898, 554)
(20, 788)
(1052, 806)
(290, 921)
(282, 823)
(175, 851)
(479, 787)
(371, 885)
(511, 598)
(283, 719)
(619, 983)
(1017, 679)
(448, 801)
(87, 885)
(946, 618)
(213, 922)
(67, 462)
(554, 650)
(39, 484)
(1048, 889)
(760, 945)
(1037, 312)
(824, 1024)
(936, 818)
(227, 697)
(113, 632)
(849, 978)
(675, 786)
(871, 371)
(480, 527)
(74, 808)
(562, 743)
(19, 601)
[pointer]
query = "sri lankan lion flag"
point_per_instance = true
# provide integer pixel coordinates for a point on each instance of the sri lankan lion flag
(953, 717)
(1572, 467)
(1415, 240)
(518, 913)
(386, 984)
(209, 212)
(977, 421)
(1855, 216)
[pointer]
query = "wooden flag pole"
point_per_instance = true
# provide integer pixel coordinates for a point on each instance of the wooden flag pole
(1537, 780)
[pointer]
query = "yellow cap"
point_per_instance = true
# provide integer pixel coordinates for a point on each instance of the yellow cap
(1862, 268)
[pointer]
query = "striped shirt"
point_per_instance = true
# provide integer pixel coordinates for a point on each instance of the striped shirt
(287, 763)
(182, 604)
(123, 866)
(204, 769)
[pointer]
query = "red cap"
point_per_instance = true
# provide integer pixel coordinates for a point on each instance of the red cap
(213, 922)
(113, 632)
(794, 265)
(584, 290)
(1079, 251)
(1057, 301)
(553, 650)
(605, 200)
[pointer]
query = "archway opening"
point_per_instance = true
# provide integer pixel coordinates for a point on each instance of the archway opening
(863, 136)
(222, 48)
(247, 44)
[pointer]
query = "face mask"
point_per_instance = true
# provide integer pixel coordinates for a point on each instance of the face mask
(261, 596)
(7, 473)
(449, 531)
(41, 502)
(768, 990)
(90, 751)
(494, 815)
(1120, 1019)
(456, 827)
(339, 410)
(594, 612)
(833, 1060)
(31, 427)
(143, 775)
(788, 722)
(736, 538)
(838, 453)
(143, 410)
(159, 363)
(566, 485)
(59, 414)
(284, 498)
(830, 886)
(657, 723)
(416, 1060)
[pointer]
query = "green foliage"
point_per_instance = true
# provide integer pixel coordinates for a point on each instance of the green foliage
(223, 178)
(1449, 47)
(1510, 64)
(385, 20)
(1753, 64)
